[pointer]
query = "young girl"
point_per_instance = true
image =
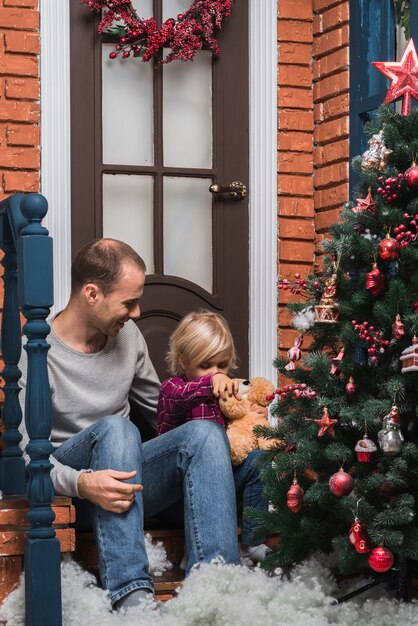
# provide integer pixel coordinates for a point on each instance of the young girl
(201, 355)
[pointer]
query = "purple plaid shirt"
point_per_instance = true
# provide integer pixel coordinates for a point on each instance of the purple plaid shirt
(181, 401)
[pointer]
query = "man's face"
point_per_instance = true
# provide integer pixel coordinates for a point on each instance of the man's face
(112, 311)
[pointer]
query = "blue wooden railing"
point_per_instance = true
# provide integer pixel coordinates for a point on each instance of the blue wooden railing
(28, 287)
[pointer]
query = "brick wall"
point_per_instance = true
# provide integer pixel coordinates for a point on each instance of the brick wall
(313, 85)
(19, 100)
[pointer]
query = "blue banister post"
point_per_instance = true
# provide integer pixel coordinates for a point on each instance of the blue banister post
(12, 464)
(42, 549)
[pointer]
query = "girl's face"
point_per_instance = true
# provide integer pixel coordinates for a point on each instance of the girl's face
(220, 362)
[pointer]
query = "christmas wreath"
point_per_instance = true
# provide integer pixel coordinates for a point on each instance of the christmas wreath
(184, 35)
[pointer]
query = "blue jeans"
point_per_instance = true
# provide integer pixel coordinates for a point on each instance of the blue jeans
(191, 461)
(249, 491)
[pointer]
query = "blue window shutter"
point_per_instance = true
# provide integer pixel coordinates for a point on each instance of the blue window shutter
(414, 23)
(372, 38)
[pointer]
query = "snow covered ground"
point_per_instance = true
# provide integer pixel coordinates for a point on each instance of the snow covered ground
(225, 595)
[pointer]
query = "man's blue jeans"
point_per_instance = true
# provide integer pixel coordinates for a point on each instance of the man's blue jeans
(191, 461)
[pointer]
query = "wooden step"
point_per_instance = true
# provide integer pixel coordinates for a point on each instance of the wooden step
(173, 541)
(13, 532)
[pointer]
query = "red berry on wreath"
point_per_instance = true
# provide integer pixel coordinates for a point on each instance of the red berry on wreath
(341, 483)
(381, 559)
(411, 176)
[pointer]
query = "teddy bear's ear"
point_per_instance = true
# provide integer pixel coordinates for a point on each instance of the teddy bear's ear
(244, 387)
(260, 389)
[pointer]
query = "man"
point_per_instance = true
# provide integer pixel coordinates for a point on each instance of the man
(97, 363)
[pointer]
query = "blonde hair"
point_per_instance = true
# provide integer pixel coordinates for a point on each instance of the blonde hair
(199, 336)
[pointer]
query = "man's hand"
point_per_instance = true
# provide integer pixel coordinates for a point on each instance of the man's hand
(223, 386)
(107, 489)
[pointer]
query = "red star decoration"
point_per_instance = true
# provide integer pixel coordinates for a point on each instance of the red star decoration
(326, 424)
(365, 204)
(404, 77)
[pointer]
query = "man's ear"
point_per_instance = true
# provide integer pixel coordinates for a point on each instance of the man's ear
(91, 293)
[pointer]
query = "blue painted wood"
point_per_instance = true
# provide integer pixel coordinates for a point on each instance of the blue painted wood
(35, 294)
(372, 38)
(12, 464)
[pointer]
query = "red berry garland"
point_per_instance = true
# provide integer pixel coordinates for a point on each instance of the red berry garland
(372, 337)
(184, 35)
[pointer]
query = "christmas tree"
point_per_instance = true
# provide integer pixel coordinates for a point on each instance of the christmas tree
(343, 475)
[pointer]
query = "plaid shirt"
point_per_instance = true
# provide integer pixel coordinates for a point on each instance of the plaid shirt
(181, 401)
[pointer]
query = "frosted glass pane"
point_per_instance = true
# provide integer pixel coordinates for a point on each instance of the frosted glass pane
(187, 112)
(188, 230)
(171, 8)
(128, 213)
(143, 7)
(127, 110)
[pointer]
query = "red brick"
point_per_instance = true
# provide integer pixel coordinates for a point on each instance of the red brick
(21, 181)
(292, 30)
(295, 98)
(19, 111)
(295, 185)
(331, 63)
(295, 53)
(295, 162)
(328, 131)
(23, 88)
(28, 43)
(22, 135)
(331, 40)
(331, 152)
(331, 175)
(295, 228)
(337, 15)
(20, 65)
(324, 219)
(293, 205)
(19, 158)
(328, 87)
(295, 120)
(332, 197)
(294, 141)
(320, 5)
(30, 4)
(287, 338)
(19, 19)
(291, 76)
(334, 107)
(300, 10)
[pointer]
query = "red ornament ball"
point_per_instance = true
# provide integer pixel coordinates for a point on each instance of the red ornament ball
(381, 559)
(389, 249)
(411, 176)
(341, 483)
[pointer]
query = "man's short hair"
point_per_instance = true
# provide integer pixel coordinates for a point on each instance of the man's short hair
(100, 262)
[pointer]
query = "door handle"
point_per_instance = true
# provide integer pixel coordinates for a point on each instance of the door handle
(236, 190)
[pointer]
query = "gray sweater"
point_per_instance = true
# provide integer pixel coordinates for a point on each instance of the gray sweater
(87, 387)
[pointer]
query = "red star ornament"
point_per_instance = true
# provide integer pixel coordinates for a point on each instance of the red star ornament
(365, 204)
(326, 424)
(404, 77)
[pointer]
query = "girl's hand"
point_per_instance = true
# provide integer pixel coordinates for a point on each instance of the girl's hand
(224, 387)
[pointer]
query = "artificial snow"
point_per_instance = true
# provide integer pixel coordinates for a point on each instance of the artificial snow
(224, 595)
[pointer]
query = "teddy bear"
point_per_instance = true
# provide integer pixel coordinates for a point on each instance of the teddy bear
(241, 418)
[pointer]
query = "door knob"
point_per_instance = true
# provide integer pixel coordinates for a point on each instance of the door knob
(236, 190)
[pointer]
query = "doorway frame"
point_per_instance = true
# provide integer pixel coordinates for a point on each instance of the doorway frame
(56, 165)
